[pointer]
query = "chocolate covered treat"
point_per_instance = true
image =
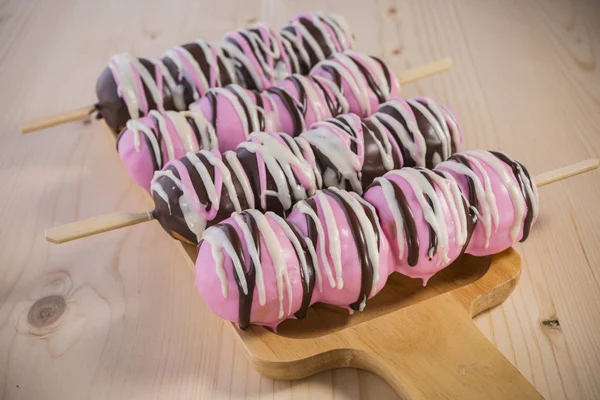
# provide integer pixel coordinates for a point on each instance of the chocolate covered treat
(289, 107)
(255, 58)
(339, 249)
(273, 171)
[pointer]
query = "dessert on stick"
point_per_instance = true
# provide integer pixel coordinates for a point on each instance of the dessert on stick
(225, 117)
(254, 58)
(272, 171)
(339, 249)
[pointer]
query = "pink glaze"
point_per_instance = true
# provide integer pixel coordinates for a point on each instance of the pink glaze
(231, 126)
(209, 284)
(138, 164)
(362, 100)
(500, 238)
(275, 60)
(425, 267)
(350, 260)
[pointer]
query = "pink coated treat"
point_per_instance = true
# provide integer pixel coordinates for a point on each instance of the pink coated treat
(303, 100)
(142, 152)
(259, 56)
(275, 285)
(271, 171)
(342, 248)
(364, 80)
(423, 216)
(502, 192)
(284, 272)
(338, 251)
(312, 37)
(235, 113)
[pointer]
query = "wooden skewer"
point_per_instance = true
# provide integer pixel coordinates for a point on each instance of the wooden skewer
(95, 225)
(559, 174)
(109, 222)
(424, 71)
(49, 121)
(57, 119)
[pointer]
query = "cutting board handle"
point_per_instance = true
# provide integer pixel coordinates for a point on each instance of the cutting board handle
(442, 355)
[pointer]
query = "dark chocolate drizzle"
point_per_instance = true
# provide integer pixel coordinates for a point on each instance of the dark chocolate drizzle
(308, 281)
(245, 299)
(518, 171)
(358, 233)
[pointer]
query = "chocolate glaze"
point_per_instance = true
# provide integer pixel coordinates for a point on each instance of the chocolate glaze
(435, 145)
(374, 86)
(407, 159)
(473, 202)
(408, 219)
(519, 171)
(373, 165)
(308, 281)
(110, 105)
(358, 234)
(293, 108)
(245, 300)
(433, 239)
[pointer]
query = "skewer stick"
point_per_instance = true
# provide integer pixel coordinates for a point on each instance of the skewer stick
(49, 121)
(424, 71)
(95, 225)
(559, 174)
(109, 222)
(57, 119)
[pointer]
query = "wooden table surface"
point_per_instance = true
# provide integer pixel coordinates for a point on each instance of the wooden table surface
(120, 317)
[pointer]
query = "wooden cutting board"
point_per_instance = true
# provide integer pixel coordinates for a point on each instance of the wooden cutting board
(421, 340)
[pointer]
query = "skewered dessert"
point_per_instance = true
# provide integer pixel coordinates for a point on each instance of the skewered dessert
(225, 117)
(338, 248)
(272, 171)
(254, 58)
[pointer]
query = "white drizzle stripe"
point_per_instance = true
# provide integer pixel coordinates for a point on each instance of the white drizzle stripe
(383, 144)
(279, 160)
(136, 126)
(125, 67)
(440, 129)
(335, 250)
(390, 200)
(253, 252)
(275, 251)
(227, 180)
(240, 174)
(305, 209)
(487, 211)
(162, 125)
(208, 138)
(434, 214)
(417, 146)
(194, 220)
(219, 242)
(505, 175)
(309, 156)
(368, 231)
(294, 240)
(235, 103)
(328, 139)
(452, 195)
(176, 91)
(184, 130)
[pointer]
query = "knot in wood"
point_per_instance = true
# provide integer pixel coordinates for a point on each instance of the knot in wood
(46, 311)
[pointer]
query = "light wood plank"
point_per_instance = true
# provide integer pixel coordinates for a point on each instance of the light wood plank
(525, 80)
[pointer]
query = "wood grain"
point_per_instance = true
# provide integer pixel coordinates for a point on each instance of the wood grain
(525, 80)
